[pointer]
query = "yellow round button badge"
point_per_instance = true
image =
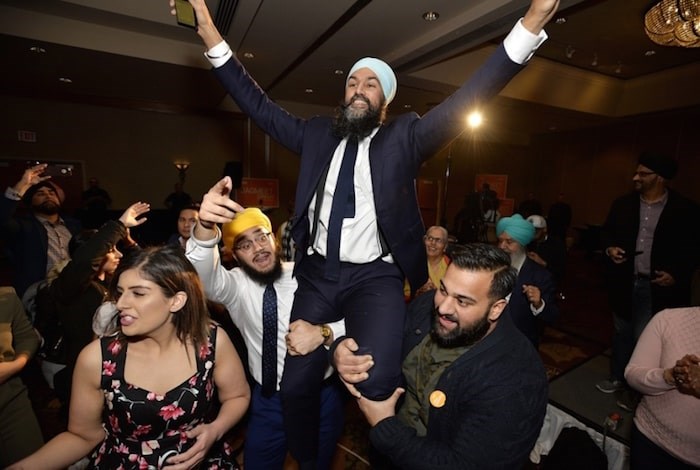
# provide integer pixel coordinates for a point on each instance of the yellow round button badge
(438, 398)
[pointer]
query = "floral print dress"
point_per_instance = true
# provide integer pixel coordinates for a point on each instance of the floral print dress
(145, 429)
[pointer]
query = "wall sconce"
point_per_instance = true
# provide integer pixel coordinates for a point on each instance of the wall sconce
(182, 168)
(569, 51)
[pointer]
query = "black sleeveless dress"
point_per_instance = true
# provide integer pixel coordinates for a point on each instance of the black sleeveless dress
(144, 429)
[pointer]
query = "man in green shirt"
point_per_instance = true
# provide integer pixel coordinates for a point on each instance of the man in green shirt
(475, 387)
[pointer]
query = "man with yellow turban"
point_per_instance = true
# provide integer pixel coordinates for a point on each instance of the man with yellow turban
(534, 296)
(243, 290)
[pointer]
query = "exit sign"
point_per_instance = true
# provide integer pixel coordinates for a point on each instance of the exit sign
(26, 136)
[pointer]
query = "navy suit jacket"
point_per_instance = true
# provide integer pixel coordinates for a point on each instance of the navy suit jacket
(396, 153)
(26, 243)
(518, 307)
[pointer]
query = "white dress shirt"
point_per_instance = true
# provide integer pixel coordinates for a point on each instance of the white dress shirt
(242, 296)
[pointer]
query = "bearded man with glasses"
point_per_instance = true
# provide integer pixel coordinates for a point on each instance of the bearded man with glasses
(243, 290)
(650, 256)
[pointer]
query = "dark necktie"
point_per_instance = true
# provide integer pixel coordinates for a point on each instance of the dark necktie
(343, 207)
(269, 343)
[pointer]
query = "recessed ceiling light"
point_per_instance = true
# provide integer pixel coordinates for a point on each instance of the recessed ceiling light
(248, 55)
(431, 15)
(65, 80)
(650, 53)
(407, 106)
(309, 90)
(560, 20)
(38, 49)
(339, 72)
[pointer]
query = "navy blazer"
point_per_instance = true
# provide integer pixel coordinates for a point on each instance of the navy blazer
(518, 307)
(495, 404)
(396, 153)
(26, 243)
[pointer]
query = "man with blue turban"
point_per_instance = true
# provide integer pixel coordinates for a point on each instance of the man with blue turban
(534, 296)
(358, 227)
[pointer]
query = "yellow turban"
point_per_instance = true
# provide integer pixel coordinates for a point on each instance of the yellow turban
(249, 218)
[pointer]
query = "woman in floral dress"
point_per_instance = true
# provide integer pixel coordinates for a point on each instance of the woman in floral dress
(146, 398)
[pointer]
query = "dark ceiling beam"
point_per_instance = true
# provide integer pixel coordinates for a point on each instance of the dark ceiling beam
(327, 34)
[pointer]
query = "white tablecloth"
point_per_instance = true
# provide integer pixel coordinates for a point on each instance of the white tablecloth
(556, 420)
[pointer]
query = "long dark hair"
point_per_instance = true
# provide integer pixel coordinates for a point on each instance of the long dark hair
(167, 267)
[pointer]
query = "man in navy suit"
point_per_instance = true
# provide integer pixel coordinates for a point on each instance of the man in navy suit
(358, 273)
(533, 300)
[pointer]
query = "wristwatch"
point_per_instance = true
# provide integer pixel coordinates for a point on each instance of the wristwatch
(326, 332)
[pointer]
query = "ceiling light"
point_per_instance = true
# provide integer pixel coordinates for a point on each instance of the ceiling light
(309, 90)
(431, 15)
(38, 49)
(249, 55)
(65, 80)
(650, 53)
(407, 106)
(475, 119)
(339, 72)
(595, 60)
(674, 23)
(560, 20)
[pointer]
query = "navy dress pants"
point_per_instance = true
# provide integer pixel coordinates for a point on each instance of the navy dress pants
(370, 299)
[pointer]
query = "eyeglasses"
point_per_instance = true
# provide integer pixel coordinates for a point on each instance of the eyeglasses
(430, 239)
(262, 239)
(643, 174)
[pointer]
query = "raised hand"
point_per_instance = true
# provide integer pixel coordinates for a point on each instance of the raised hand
(217, 207)
(539, 14)
(31, 176)
(130, 217)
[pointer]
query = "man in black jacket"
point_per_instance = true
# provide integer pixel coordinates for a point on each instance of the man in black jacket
(39, 240)
(651, 257)
(476, 389)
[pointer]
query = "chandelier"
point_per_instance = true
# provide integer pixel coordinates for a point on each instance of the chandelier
(674, 23)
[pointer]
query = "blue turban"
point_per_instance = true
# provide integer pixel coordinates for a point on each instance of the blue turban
(384, 74)
(518, 228)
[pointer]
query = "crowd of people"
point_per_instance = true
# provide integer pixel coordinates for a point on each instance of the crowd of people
(353, 300)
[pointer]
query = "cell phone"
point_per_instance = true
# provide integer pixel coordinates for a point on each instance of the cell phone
(184, 12)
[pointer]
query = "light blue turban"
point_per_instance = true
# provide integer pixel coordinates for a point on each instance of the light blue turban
(383, 72)
(518, 228)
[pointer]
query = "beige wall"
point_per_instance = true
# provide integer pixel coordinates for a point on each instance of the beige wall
(131, 152)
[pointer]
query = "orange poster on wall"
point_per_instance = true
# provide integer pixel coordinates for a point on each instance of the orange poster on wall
(258, 192)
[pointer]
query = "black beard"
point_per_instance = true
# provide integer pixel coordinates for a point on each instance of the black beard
(264, 278)
(360, 127)
(461, 337)
(47, 208)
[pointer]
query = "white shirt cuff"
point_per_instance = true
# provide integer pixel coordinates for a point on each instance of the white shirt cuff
(521, 44)
(219, 54)
(12, 194)
(206, 243)
(537, 311)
